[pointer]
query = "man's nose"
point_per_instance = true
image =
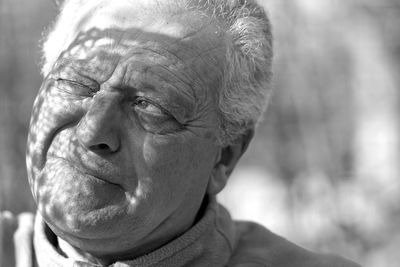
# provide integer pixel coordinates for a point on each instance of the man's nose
(98, 129)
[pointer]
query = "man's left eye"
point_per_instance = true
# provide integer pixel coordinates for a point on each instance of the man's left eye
(154, 118)
(148, 107)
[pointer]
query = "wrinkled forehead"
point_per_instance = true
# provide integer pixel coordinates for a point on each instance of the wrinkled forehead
(188, 41)
(150, 15)
(121, 28)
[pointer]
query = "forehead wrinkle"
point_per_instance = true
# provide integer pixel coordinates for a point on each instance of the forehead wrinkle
(174, 47)
(201, 56)
(90, 67)
(128, 68)
(195, 30)
(120, 35)
(182, 76)
(61, 63)
(178, 61)
(115, 39)
(195, 80)
(191, 96)
(65, 66)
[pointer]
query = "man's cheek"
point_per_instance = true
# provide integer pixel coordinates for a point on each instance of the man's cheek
(52, 111)
(169, 156)
(58, 109)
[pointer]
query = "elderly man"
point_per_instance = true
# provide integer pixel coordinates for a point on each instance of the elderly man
(144, 111)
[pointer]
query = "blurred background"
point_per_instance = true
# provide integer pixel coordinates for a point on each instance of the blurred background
(323, 169)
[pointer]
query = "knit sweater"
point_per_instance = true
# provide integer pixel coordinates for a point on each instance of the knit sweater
(215, 240)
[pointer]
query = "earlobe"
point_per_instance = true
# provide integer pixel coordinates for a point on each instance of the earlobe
(217, 180)
(226, 162)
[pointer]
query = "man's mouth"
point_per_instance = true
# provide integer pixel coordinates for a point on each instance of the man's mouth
(84, 170)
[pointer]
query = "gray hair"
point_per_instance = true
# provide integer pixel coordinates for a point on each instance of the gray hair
(246, 84)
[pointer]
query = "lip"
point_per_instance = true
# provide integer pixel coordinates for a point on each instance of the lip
(91, 174)
(81, 169)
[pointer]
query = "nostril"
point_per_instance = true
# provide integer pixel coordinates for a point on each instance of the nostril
(102, 146)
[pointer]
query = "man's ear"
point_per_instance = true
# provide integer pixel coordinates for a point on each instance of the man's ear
(227, 159)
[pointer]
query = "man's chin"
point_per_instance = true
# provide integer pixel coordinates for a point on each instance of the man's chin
(97, 232)
(98, 224)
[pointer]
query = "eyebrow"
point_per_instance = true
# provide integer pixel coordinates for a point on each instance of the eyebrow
(72, 64)
(61, 62)
(86, 68)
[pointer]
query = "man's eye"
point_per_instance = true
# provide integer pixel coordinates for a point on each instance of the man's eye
(146, 106)
(154, 118)
(74, 87)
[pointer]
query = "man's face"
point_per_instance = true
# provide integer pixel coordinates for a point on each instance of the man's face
(122, 137)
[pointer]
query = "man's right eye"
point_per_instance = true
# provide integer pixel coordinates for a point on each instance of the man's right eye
(75, 88)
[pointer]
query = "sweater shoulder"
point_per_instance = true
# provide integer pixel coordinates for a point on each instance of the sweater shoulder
(15, 237)
(258, 247)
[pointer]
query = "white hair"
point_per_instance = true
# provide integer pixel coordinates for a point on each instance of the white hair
(246, 84)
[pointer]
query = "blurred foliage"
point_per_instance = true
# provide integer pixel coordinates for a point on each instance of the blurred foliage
(323, 169)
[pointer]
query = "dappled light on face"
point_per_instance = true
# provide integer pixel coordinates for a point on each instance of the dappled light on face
(141, 192)
(86, 42)
(54, 107)
(88, 165)
(123, 132)
(61, 173)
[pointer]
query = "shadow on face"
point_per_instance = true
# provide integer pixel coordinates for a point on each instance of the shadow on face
(122, 135)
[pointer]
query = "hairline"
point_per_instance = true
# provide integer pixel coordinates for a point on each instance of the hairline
(228, 115)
